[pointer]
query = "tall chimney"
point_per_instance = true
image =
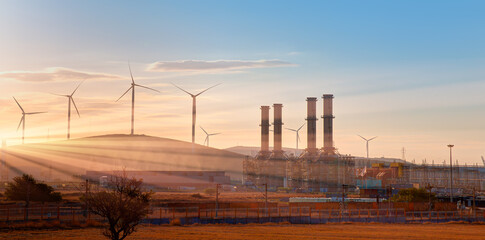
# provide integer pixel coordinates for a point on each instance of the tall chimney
(328, 147)
(277, 128)
(311, 124)
(264, 129)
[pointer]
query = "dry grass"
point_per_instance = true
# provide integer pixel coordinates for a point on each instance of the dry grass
(274, 231)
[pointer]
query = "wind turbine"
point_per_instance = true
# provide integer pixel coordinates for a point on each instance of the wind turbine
(367, 143)
(297, 134)
(194, 96)
(132, 88)
(483, 160)
(208, 135)
(70, 99)
(22, 120)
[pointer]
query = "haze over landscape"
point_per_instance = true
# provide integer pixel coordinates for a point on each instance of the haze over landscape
(417, 86)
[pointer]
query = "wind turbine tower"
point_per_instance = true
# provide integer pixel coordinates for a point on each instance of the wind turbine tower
(297, 131)
(367, 143)
(22, 120)
(132, 88)
(194, 106)
(70, 99)
(208, 135)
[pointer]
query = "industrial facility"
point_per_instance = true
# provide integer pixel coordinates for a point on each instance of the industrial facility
(326, 170)
(315, 170)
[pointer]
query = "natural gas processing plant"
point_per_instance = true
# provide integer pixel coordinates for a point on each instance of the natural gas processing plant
(326, 170)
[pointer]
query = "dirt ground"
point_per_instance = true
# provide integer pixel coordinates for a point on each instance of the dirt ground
(326, 231)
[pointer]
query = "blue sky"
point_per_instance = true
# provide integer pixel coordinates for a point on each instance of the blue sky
(408, 71)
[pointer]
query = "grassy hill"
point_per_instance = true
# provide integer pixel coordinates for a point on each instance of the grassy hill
(61, 160)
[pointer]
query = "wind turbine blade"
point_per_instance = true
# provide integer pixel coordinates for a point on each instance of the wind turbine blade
(301, 126)
(208, 89)
(212, 134)
(362, 137)
(206, 139)
(372, 138)
(291, 129)
(18, 104)
(73, 103)
(124, 93)
(32, 113)
(299, 140)
(183, 90)
(20, 123)
(76, 88)
(203, 130)
(147, 88)
(60, 95)
(129, 67)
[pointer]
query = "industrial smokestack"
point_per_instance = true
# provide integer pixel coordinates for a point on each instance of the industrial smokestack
(311, 124)
(264, 129)
(328, 147)
(277, 128)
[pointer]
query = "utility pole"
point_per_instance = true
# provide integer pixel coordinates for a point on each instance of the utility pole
(429, 187)
(451, 172)
(217, 197)
(86, 196)
(265, 196)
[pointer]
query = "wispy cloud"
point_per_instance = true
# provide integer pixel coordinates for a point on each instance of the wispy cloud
(214, 66)
(55, 74)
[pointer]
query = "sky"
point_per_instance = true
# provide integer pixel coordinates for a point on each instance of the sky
(409, 72)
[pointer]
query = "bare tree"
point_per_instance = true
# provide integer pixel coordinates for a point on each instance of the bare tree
(124, 204)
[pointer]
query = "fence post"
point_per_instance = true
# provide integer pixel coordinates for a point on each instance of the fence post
(198, 212)
(58, 213)
(235, 213)
(173, 213)
(8, 214)
(42, 212)
(368, 213)
(160, 213)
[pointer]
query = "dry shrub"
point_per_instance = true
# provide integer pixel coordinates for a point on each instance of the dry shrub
(92, 223)
(269, 224)
(284, 223)
(176, 222)
(456, 222)
(75, 224)
(197, 195)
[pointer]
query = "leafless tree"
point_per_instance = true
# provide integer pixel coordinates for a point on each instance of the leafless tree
(123, 204)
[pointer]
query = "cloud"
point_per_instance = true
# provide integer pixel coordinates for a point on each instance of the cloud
(55, 74)
(214, 66)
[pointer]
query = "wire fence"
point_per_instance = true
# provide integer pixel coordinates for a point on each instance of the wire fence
(296, 215)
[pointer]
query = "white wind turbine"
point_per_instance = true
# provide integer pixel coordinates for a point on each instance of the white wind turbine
(367, 143)
(132, 88)
(194, 106)
(22, 120)
(297, 131)
(70, 99)
(208, 135)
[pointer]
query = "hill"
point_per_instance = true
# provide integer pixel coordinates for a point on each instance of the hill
(69, 159)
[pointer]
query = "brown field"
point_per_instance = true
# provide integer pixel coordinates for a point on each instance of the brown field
(273, 231)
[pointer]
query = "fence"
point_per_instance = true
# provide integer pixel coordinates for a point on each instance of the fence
(294, 215)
